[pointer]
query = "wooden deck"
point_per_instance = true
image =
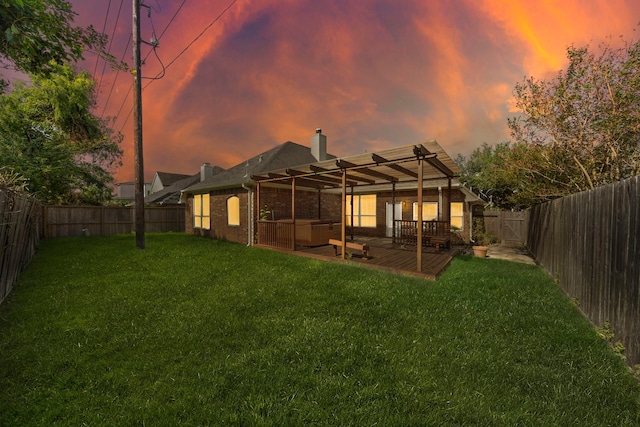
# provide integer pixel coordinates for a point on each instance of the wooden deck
(385, 255)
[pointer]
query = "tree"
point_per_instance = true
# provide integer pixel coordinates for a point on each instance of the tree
(49, 136)
(583, 126)
(482, 171)
(37, 33)
(496, 174)
(576, 131)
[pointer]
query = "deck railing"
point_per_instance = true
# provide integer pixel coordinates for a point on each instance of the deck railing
(407, 231)
(278, 234)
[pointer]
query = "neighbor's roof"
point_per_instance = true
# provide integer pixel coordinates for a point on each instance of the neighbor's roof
(171, 194)
(286, 155)
(168, 178)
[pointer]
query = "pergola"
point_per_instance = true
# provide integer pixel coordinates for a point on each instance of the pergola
(404, 167)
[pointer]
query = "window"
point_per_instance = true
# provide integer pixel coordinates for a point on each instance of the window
(429, 211)
(457, 216)
(233, 210)
(201, 211)
(364, 210)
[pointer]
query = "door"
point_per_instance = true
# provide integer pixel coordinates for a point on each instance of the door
(389, 220)
(514, 228)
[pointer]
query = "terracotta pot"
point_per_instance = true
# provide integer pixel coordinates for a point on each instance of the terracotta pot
(480, 251)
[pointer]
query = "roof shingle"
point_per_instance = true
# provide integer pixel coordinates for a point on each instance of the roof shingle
(286, 155)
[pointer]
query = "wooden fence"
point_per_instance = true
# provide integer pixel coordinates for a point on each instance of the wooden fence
(278, 234)
(19, 236)
(68, 221)
(590, 242)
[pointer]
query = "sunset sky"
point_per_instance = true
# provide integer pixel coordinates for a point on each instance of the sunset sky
(373, 74)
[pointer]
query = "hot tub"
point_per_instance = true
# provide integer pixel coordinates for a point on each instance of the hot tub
(316, 232)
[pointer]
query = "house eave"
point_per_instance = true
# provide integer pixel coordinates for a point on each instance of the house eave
(212, 187)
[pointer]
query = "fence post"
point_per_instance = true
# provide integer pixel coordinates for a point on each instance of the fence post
(45, 222)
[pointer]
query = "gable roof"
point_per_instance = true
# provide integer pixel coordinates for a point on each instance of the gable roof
(171, 194)
(288, 154)
(168, 178)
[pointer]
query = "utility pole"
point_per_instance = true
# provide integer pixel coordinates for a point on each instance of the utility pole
(137, 128)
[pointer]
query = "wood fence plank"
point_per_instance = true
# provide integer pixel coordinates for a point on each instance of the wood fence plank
(18, 236)
(589, 241)
(70, 221)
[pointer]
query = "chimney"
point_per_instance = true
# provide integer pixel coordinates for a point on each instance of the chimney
(206, 171)
(319, 145)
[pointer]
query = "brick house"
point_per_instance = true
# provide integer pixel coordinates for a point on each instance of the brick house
(224, 206)
(233, 204)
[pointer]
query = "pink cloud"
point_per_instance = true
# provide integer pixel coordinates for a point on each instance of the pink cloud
(372, 74)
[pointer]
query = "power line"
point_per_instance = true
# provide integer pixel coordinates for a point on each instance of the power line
(199, 35)
(104, 26)
(114, 82)
(163, 31)
(122, 105)
(130, 87)
(115, 25)
(217, 18)
(161, 75)
(154, 44)
(171, 20)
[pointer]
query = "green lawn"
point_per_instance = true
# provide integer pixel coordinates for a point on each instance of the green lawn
(193, 331)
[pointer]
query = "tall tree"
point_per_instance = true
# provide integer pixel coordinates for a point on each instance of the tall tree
(577, 130)
(497, 175)
(584, 124)
(33, 33)
(49, 136)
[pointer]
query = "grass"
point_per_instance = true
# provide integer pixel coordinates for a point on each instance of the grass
(194, 331)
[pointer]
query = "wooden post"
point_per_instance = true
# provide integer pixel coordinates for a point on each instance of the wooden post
(293, 210)
(45, 221)
(102, 208)
(137, 128)
(259, 210)
(393, 212)
(343, 226)
(449, 202)
(258, 199)
(419, 226)
(351, 209)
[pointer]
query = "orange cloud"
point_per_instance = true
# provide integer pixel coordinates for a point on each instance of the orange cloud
(371, 74)
(546, 28)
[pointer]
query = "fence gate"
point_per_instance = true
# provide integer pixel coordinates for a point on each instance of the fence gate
(515, 226)
(507, 226)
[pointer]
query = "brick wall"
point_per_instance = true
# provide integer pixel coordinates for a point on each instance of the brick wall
(309, 205)
(220, 229)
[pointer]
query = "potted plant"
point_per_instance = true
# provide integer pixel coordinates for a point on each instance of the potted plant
(480, 251)
(482, 240)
